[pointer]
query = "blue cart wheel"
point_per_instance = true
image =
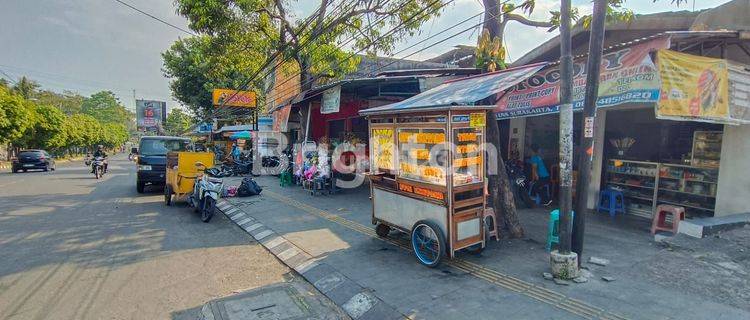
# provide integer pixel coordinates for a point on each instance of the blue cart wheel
(428, 243)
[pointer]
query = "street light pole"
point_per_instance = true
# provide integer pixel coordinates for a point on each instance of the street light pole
(566, 128)
(596, 40)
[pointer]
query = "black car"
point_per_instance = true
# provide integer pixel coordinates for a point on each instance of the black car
(33, 159)
(152, 159)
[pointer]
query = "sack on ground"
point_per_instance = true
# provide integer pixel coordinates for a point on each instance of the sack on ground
(248, 187)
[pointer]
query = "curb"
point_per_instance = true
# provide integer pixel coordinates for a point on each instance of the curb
(358, 302)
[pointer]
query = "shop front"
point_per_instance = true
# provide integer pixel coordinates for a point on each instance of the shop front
(657, 142)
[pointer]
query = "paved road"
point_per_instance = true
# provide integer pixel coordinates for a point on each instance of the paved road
(73, 247)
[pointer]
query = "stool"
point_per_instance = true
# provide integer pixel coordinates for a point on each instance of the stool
(553, 228)
(285, 179)
(611, 200)
(491, 229)
(659, 222)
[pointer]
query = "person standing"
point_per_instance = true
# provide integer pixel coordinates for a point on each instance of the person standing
(540, 175)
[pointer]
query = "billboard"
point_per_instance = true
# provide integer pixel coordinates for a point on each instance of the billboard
(627, 75)
(150, 114)
(234, 98)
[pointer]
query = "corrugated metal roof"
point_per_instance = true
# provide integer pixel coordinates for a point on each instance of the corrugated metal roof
(460, 92)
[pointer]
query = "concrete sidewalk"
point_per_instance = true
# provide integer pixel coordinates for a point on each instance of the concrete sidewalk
(504, 282)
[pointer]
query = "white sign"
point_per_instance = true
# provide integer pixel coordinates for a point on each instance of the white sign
(331, 100)
(588, 129)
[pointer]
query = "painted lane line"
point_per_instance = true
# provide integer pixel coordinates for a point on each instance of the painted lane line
(253, 227)
(263, 234)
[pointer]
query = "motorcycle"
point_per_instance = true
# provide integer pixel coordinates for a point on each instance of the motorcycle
(206, 193)
(519, 183)
(97, 166)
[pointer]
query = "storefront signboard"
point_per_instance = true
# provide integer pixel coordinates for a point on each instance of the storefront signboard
(627, 75)
(331, 100)
(693, 87)
(477, 120)
(233, 98)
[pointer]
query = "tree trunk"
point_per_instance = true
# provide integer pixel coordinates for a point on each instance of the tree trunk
(501, 194)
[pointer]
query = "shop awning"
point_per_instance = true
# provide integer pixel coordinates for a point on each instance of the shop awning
(464, 91)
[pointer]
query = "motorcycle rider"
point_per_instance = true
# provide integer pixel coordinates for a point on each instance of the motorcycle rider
(100, 153)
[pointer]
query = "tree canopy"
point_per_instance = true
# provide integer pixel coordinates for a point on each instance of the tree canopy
(32, 118)
(177, 122)
(249, 32)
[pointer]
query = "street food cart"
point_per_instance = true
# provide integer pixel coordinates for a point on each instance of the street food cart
(427, 177)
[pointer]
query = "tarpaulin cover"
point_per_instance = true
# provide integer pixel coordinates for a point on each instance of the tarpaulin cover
(464, 91)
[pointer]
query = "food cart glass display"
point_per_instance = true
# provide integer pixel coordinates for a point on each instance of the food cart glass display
(427, 177)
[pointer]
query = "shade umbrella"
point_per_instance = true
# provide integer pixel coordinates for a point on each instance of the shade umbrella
(241, 135)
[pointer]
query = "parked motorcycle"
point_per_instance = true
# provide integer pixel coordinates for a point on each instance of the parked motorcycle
(519, 183)
(97, 166)
(206, 192)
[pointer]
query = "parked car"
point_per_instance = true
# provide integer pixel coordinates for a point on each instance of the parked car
(32, 159)
(152, 159)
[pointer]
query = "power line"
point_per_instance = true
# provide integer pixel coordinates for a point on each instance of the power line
(9, 77)
(391, 31)
(268, 61)
(425, 48)
(154, 17)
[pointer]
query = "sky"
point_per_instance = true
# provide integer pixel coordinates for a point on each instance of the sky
(92, 45)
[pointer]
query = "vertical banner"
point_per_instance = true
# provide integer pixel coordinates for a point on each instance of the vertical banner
(331, 100)
(281, 118)
(692, 87)
(627, 75)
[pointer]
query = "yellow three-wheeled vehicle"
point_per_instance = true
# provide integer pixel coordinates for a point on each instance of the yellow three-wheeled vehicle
(183, 170)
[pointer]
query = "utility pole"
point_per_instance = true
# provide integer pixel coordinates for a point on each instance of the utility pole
(565, 263)
(566, 127)
(596, 40)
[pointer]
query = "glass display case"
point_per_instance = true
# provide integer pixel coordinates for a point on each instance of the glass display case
(693, 188)
(637, 180)
(422, 155)
(467, 158)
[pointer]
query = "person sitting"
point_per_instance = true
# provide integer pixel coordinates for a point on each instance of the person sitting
(100, 153)
(539, 175)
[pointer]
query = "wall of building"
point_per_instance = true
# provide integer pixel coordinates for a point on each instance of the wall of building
(734, 185)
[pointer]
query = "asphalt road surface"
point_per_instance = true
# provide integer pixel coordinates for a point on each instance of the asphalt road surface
(73, 247)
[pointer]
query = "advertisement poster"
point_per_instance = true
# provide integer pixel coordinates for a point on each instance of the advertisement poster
(150, 114)
(234, 98)
(382, 149)
(692, 86)
(331, 100)
(477, 120)
(627, 75)
(281, 118)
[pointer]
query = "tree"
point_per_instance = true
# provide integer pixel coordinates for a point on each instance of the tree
(313, 43)
(177, 122)
(197, 65)
(25, 87)
(106, 108)
(68, 102)
(16, 115)
(46, 131)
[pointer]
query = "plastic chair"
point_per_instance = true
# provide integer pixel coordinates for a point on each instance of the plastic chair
(612, 201)
(553, 228)
(659, 222)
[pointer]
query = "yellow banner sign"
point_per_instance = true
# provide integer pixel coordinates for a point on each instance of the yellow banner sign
(234, 98)
(692, 86)
(477, 120)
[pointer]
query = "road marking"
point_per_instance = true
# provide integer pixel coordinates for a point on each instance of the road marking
(495, 277)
